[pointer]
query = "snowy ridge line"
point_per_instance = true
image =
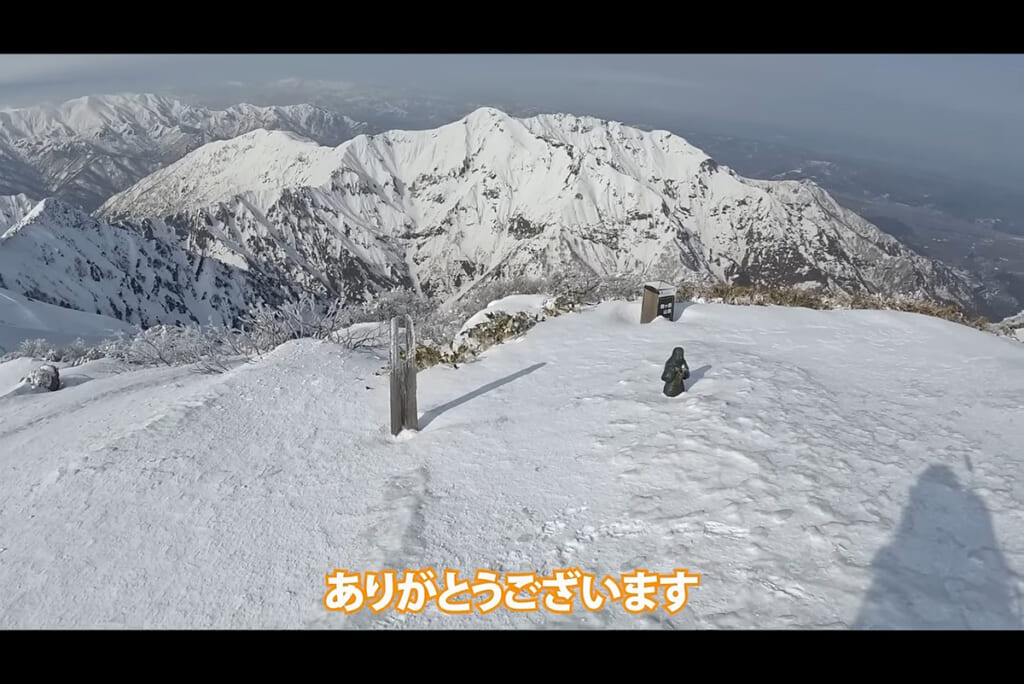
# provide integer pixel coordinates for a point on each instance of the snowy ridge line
(84, 150)
(13, 208)
(495, 196)
(453, 336)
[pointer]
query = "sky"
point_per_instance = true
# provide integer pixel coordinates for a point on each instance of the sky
(964, 108)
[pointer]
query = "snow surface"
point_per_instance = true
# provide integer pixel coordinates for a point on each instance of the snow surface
(22, 318)
(14, 373)
(823, 469)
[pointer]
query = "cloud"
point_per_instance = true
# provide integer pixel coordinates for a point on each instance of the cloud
(640, 78)
(34, 70)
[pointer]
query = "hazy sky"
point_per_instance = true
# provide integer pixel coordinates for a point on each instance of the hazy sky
(962, 108)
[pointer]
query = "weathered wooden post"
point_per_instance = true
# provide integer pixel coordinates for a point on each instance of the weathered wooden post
(403, 378)
(659, 300)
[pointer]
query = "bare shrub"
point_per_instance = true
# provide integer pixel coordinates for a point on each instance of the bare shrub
(366, 336)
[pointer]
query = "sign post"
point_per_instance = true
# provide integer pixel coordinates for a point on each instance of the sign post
(403, 377)
(659, 300)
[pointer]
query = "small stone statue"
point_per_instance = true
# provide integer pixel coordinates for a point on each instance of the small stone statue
(676, 371)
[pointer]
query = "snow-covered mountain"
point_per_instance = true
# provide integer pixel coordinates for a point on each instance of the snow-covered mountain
(491, 195)
(60, 255)
(23, 319)
(86, 149)
(381, 109)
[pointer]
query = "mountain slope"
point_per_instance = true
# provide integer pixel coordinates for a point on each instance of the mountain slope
(12, 209)
(84, 150)
(491, 195)
(24, 319)
(59, 255)
(815, 473)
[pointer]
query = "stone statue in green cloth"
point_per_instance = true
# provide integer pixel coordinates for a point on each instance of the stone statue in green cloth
(676, 371)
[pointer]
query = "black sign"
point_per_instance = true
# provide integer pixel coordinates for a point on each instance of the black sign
(666, 305)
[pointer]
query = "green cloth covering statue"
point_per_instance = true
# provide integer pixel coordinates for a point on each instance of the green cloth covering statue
(676, 371)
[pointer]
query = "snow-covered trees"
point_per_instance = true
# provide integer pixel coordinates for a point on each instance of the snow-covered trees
(441, 334)
(45, 377)
(75, 353)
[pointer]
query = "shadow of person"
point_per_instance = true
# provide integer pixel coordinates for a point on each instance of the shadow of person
(943, 569)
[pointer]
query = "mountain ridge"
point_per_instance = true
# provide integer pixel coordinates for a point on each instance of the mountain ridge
(492, 195)
(58, 254)
(13, 209)
(86, 149)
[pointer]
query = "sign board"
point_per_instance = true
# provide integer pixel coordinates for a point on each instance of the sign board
(659, 300)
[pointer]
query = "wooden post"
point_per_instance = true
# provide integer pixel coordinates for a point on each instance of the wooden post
(658, 300)
(403, 378)
(649, 305)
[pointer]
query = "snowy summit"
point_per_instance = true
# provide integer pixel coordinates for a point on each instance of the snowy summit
(822, 469)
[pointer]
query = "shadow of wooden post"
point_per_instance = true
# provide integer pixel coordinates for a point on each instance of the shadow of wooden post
(404, 415)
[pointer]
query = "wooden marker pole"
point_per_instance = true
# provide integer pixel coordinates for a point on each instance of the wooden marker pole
(649, 305)
(404, 414)
(659, 299)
